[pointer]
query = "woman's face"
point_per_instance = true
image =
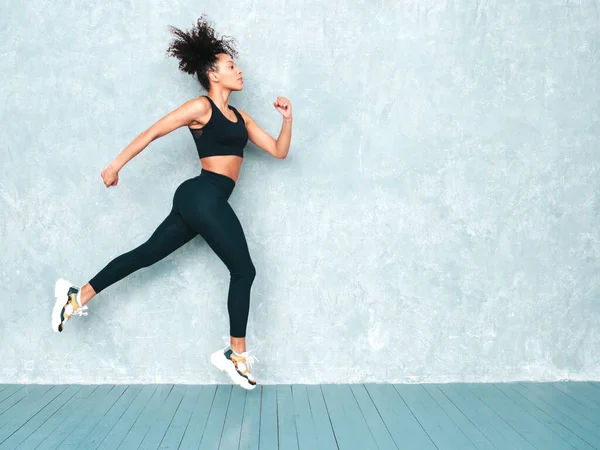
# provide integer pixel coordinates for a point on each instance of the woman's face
(230, 75)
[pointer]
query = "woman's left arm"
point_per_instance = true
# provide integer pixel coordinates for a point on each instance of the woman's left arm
(279, 147)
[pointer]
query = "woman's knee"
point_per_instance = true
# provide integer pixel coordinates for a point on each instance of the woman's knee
(252, 270)
(246, 271)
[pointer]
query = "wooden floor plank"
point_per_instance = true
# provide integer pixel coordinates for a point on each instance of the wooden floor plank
(23, 411)
(566, 404)
(528, 426)
(73, 417)
(162, 419)
(324, 431)
(582, 394)
(466, 425)
(117, 433)
(182, 417)
(587, 389)
(64, 414)
(525, 415)
(347, 418)
(562, 416)
(216, 419)
(250, 432)
(406, 431)
(98, 432)
(87, 423)
(16, 396)
(364, 434)
(307, 436)
(380, 432)
(446, 434)
(559, 429)
(594, 392)
(25, 397)
(145, 419)
(338, 418)
(39, 418)
(11, 390)
(197, 424)
(230, 439)
(487, 421)
(288, 435)
(268, 419)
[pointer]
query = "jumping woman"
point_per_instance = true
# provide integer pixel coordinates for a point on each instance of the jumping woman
(200, 204)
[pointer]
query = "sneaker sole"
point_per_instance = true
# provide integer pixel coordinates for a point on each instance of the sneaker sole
(220, 362)
(61, 289)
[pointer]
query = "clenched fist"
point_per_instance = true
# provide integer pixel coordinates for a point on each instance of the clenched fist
(110, 176)
(284, 106)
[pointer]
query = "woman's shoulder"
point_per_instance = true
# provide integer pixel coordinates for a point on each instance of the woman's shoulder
(200, 105)
(244, 115)
(203, 99)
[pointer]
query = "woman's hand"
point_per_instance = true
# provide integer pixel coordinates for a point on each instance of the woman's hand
(284, 106)
(110, 176)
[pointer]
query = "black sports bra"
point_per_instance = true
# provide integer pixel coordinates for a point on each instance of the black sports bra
(220, 136)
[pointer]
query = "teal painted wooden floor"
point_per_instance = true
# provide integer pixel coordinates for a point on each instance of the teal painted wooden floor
(373, 416)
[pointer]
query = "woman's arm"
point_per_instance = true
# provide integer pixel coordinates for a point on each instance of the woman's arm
(183, 115)
(278, 148)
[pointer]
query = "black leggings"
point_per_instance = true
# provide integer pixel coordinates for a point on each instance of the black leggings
(200, 206)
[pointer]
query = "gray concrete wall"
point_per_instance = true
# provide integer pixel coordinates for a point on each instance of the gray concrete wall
(436, 219)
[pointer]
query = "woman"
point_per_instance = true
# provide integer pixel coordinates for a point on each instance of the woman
(200, 204)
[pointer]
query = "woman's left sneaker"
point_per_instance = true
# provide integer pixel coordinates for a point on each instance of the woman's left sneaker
(236, 366)
(66, 305)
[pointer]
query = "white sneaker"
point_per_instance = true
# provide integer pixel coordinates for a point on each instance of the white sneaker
(237, 367)
(66, 305)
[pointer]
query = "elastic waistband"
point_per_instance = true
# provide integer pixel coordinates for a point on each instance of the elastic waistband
(221, 180)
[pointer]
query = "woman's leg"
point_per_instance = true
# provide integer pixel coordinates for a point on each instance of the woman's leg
(209, 214)
(222, 231)
(171, 234)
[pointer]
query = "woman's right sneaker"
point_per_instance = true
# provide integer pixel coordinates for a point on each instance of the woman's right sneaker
(66, 306)
(236, 366)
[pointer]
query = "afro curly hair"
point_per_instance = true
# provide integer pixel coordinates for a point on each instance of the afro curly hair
(197, 49)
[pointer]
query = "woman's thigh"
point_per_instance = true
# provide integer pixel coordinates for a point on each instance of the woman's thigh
(223, 232)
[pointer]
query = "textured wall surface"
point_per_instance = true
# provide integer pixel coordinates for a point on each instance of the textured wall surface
(437, 218)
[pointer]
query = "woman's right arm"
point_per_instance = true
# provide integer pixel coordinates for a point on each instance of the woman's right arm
(184, 115)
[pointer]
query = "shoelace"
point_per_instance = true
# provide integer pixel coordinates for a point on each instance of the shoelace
(250, 359)
(81, 311)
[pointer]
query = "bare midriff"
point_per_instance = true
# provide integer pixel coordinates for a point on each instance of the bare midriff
(228, 165)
